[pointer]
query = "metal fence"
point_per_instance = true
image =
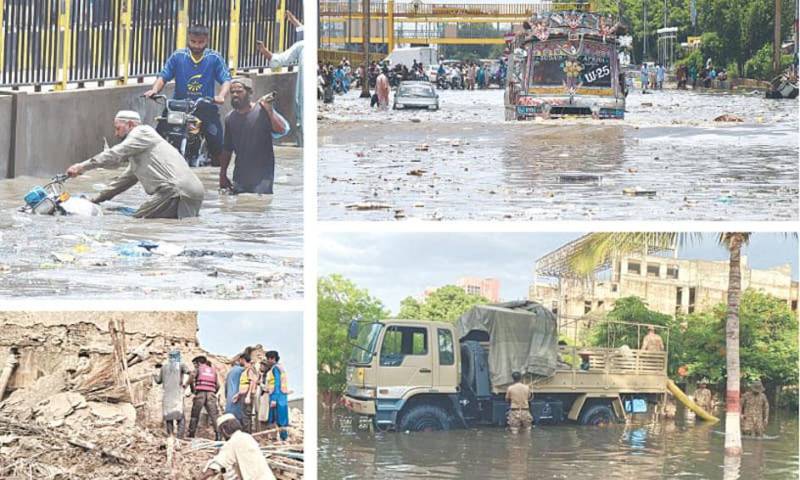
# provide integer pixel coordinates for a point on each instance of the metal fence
(57, 42)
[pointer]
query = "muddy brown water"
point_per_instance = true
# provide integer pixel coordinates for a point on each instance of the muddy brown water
(465, 162)
(641, 451)
(243, 246)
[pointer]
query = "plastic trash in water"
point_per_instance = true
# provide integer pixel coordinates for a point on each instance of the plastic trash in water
(131, 250)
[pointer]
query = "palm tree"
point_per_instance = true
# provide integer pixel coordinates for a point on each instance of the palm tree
(596, 248)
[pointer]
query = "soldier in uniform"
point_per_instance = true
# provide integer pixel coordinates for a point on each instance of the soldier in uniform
(755, 410)
(652, 341)
(519, 414)
(702, 396)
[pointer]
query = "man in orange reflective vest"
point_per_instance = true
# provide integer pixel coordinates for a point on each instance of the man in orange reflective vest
(205, 386)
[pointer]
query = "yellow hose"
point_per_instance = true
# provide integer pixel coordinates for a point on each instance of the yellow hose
(678, 393)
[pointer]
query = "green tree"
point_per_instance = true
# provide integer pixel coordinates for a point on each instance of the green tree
(338, 302)
(409, 309)
(630, 310)
(446, 304)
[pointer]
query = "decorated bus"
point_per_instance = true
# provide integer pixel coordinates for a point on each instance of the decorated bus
(566, 64)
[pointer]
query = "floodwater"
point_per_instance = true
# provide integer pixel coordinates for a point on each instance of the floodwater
(242, 246)
(668, 160)
(643, 451)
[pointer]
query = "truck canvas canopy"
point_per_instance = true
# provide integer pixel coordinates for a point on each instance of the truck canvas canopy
(522, 337)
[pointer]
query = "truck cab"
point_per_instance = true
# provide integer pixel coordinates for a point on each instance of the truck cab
(398, 363)
(411, 375)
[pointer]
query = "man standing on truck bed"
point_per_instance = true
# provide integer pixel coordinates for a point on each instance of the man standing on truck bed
(519, 415)
(652, 341)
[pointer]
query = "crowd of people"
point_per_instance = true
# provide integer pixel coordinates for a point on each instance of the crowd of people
(254, 395)
(176, 192)
(653, 77)
(339, 79)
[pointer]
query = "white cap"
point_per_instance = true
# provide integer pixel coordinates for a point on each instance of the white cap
(128, 115)
(224, 418)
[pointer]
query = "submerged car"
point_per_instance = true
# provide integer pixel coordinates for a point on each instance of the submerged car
(416, 95)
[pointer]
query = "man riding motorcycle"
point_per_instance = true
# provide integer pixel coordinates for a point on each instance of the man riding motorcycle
(196, 69)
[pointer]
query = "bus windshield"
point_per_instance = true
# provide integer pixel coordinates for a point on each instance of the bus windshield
(561, 62)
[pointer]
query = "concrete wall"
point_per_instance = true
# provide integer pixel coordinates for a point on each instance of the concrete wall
(176, 325)
(56, 129)
(6, 132)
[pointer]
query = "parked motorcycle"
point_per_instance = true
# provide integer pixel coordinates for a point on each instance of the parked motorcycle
(181, 128)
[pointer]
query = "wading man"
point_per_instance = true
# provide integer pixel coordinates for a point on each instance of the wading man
(196, 71)
(249, 131)
(702, 396)
(755, 410)
(519, 414)
(175, 190)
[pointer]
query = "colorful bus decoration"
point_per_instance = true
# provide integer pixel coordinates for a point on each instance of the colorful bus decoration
(566, 64)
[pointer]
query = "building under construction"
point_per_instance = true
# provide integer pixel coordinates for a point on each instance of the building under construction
(667, 283)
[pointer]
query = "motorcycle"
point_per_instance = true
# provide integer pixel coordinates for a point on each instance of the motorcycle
(442, 83)
(53, 199)
(180, 126)
(456, 83)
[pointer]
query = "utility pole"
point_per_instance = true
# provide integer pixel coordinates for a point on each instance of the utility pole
(644, 33)
(365, 34)
(776, 50)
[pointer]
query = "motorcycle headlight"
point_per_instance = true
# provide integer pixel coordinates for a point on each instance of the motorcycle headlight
(176, 118)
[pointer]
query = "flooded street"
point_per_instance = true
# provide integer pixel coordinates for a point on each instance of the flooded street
(639, 451)
(667, 160)
(245, 246)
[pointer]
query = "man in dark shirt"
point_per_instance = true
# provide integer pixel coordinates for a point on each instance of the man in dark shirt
(249, 131)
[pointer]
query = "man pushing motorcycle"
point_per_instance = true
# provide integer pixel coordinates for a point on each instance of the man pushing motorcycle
(196, 71)
(175, 190)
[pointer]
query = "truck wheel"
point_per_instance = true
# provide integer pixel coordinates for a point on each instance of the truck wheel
(425, 418)
(598, 415)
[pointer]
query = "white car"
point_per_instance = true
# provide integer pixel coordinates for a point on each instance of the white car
(416, 95)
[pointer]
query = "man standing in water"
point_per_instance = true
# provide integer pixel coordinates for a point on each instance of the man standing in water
(755, 410)
(382, 89)
(702, 396)
(519, 414)
(175, 190)
(249, 131)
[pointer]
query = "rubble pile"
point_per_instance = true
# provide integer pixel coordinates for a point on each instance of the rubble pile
(93, 412)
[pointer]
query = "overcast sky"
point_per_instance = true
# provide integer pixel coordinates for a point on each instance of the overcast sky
(227, 333)
(394, 266)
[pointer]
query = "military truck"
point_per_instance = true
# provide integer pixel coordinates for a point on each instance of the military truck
(412, 375)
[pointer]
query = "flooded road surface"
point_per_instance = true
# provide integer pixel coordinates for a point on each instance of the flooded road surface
(464, 162)
(243, 246)
(625, 452)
